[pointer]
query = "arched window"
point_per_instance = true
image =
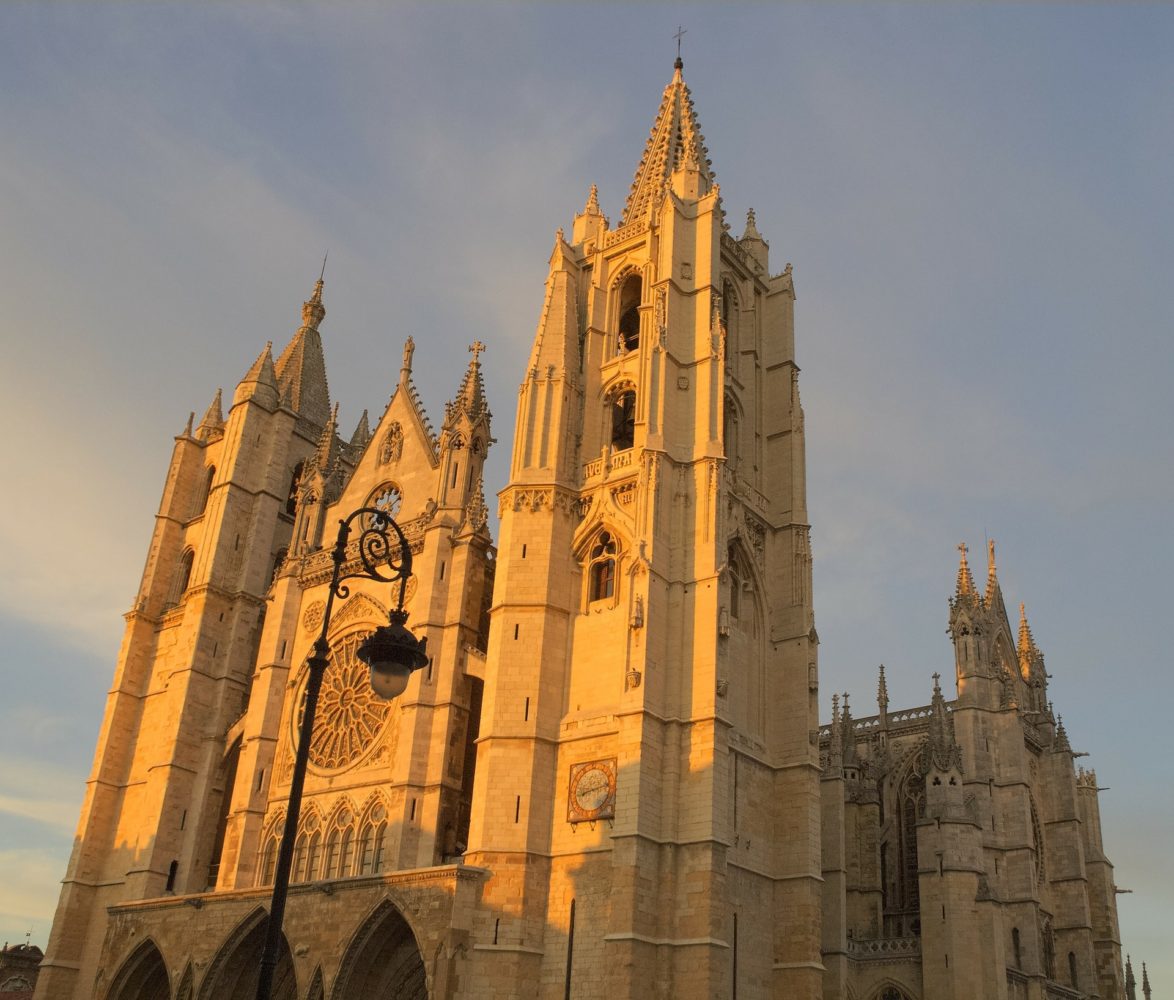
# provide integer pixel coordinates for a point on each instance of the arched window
(1072, 970)
(183, 577)
(366, 849)
(738, 580)
(602, 568)
(730, 429)
(300, 858)
(205, 491)
(313, 867)
(380, 837)
(623, 420)
(269, 860)
(333, 845)
(291, 502)
(1016, 948)
(629, 313)
(348, 853)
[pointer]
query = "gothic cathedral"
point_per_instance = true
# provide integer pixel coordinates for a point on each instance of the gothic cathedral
(609, 780)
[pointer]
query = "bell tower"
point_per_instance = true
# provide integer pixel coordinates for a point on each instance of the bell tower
(647, 781)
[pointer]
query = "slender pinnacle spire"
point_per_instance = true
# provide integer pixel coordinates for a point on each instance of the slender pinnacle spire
(992, 574)
(187, 431)
(751, 232)
(592, 206)
(362, 432)
(674, 142)
(1145, 982)
(212, 423)
(470, 398)
(882, 691)
(965, 586)
(1130, 980)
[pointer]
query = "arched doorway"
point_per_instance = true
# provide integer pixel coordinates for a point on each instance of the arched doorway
(143, 976)
(234, 971)
(383, 961)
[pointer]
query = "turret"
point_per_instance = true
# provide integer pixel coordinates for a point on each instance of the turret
(464, 437)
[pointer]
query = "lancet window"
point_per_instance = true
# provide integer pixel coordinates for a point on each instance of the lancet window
(295, 478)
(602, 568)
(205, 491)
(629, 314)
(623, 420)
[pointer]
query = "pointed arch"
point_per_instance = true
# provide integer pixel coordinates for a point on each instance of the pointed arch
(729, 313)
(267, 852)
(372, 826)
(383, 959)
(890, 989)
(186, 989)
(627, 296)
(201, 503)
(317, 990)
(143, 976)
(234, 971)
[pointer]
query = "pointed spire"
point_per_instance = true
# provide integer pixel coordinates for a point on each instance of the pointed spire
(674, 141)
(477, 512)
(212, 424)
(965, 585)
(836, 742)
(1145, 982)
(849, 733)
(324, 456)
(259, 383)
(187, 431)
(882, 691)
(1061, 744)
(1130, 981)
(751, 232)
(301, 368)
(362, 433)
(470, 398)
(1026, 641)
(992, 575)
(592, 206)
(943, 747)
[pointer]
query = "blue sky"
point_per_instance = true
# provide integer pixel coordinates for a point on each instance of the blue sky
(976, 199)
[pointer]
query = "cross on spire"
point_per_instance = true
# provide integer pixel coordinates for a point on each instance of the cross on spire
(680, 33)
(476, 347)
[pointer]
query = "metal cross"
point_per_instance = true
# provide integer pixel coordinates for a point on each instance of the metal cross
(476, 347)
(680, 31)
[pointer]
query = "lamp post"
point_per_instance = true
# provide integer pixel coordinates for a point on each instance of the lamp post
(392, 653)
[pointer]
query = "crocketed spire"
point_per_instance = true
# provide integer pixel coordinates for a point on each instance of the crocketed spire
(470, 398)
(965, 585)
(301, 368)
(592, 206)
(675, 141)
(882, 691)
(992, 576)
(751, 232)
(1145, 982)
(1130, 981)
(211, 426)
(362, 433)
(943, 748)
(1026, 640)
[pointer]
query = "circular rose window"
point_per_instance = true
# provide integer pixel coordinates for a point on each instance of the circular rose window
(350, 718)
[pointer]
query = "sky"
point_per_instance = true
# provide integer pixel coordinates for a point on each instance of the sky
(976, 201)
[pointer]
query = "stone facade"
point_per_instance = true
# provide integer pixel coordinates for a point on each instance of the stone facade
(607, 781)
(962, 848)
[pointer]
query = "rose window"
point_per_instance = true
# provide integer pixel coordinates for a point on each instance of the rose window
(350, 718)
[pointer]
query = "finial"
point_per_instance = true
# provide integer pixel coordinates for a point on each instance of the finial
(475, 349)
(965, 586)
(681, 32)
(313, 312)
(835, 708)
(559, 236)
(937, 687)
(882, 690)
(322, 273)
(592, 206)
(409, 350)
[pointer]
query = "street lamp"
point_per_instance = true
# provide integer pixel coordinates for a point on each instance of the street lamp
(392, 653)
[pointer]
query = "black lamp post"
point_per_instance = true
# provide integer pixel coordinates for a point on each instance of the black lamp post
(392, 653)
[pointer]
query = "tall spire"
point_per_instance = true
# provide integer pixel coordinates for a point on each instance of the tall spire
(211, 426)
(1145, 982)
(1130, 981)
(674, 142)
(882, 695)
(943, 747)
(965, 586)
(1026, 641)
(301, 368)
(992, 575)
(470, 398)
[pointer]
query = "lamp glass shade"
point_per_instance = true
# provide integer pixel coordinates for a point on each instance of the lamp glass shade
(389, 682)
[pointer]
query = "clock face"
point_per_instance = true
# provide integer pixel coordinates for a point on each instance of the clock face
(591, 793)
